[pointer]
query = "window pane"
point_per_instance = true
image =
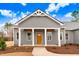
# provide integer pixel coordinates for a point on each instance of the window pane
(61, 36)
(67, 36)
(17, 35)
(29, 35)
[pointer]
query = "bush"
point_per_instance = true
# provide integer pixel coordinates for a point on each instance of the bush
(2, 44)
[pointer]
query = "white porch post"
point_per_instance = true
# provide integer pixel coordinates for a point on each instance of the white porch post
(45, 37)
(13, 35)
(59, 41)
(19, 41)
(33, 36)
(64, 36)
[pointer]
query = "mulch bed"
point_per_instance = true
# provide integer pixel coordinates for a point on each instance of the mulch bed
(66, 49)
(16, 49)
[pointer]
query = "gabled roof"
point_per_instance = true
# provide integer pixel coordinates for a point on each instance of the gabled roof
(38, 13)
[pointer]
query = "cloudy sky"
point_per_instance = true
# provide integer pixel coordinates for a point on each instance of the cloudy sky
(12, 12)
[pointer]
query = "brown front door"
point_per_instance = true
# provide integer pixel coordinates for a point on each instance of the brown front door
(39, 38)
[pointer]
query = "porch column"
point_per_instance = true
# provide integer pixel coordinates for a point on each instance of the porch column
(33, 36)
(45, 37)
(19, 41)
(64, 36)
(59, 41)
(13, 35)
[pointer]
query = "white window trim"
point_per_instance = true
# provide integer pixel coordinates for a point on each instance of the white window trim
(49, 36)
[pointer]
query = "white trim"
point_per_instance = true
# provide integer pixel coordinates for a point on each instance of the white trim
(45, 37)
(59, 41)
(13, 36)
(19, 43)
(64, 36)
(36, 28)
(43, 15)
(33, 36)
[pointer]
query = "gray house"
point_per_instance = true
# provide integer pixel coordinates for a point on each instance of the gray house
(40, 29)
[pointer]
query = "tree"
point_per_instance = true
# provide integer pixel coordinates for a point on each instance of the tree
(7, 28)
(75, 14)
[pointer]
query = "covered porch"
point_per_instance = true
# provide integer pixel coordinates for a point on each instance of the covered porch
(37, 36)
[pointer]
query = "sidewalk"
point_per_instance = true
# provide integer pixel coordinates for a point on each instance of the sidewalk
(41, 51)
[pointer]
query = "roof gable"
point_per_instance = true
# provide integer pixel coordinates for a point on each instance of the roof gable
(39, 13)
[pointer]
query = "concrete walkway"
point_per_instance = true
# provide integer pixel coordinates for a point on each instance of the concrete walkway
(41, 51)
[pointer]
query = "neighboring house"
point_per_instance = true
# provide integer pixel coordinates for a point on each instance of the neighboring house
(40, 29)
(8, 34)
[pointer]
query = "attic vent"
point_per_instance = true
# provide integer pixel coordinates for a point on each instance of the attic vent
(38, 13)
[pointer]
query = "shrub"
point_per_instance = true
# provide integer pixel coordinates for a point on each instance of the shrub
(2, 44)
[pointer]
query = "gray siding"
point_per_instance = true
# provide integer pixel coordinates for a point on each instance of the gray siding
(41, 21)
(70, 37)
(76, 37)
(63, 40)
(15, 37)
(24, 38)
(54, 38)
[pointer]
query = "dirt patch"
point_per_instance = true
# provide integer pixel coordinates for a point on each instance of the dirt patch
(16, 51)
(68, 49)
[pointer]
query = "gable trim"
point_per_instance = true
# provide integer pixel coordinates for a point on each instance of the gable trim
(45, 14)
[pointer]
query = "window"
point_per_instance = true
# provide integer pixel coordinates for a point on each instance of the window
(61, 36)
(29, 35)
(66, 36)
(49, 37)
(17, 35)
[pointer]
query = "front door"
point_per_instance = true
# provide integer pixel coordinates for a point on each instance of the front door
(39, 38)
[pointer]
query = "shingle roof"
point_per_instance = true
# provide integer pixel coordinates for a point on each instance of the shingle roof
(71, 25)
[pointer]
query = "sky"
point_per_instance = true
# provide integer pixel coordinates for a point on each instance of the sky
(12, 12)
